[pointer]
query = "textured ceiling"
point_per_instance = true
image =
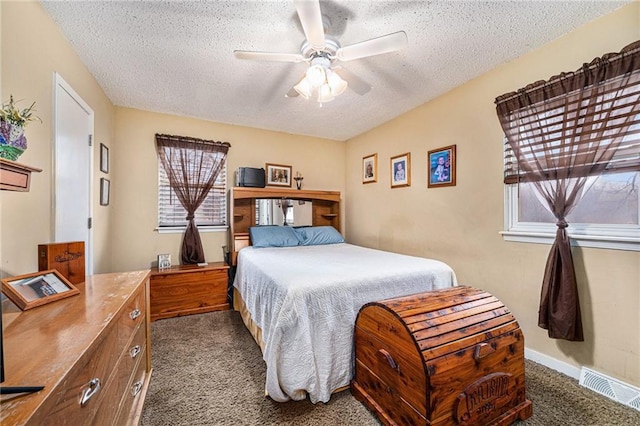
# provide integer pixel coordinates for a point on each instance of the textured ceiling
(177, 57)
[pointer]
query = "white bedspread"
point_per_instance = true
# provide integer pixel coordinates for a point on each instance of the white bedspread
(306, 299)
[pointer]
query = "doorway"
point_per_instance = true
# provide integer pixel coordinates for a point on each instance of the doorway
(73, 169)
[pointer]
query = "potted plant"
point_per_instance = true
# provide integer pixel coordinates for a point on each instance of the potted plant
(12, 123)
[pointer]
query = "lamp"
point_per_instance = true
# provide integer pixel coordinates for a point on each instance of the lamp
(319, 77)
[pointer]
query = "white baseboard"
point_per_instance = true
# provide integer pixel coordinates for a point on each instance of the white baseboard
(552, 363)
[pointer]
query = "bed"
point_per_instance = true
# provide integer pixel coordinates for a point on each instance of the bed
(300, 302)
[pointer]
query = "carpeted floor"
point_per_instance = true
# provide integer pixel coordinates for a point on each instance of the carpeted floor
(207, 370)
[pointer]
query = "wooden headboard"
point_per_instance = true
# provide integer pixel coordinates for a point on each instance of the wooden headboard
(242, 202)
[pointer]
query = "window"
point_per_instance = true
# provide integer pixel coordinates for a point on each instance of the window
(212, 213)
(608, 215)
(575, 141)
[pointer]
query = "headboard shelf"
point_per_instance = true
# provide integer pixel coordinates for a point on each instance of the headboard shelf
(242, 205)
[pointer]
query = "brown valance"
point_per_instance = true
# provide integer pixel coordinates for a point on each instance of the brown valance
(189, 142)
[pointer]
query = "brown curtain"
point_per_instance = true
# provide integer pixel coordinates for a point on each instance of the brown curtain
(192, 166)
(560, 132)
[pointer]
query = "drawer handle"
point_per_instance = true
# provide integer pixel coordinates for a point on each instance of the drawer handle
(136, 388)
(94, 387)
(387, 356)
(135, 313)
(134, 351)
(482, 350)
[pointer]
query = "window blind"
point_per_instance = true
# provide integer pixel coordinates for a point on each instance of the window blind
(212, 211)
(576, 124)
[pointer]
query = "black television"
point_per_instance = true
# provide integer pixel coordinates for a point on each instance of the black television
(250, 177)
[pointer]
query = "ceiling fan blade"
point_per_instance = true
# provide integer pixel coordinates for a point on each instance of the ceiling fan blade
(268, 56)
(311, 20)
(375, 46)
(355, 83)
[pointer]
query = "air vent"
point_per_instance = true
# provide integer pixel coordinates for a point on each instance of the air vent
(610, 387)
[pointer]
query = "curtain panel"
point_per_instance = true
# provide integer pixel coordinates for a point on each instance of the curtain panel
(192, 166)
(558, 133)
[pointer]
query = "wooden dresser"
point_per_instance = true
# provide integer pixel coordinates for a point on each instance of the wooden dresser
(91, 353)
(189, 289)
(446, 357)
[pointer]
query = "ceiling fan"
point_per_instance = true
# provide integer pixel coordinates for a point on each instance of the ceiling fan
(321, 52)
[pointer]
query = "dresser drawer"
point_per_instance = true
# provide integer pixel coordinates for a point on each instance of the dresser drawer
(133, 315)
(83, 389)
(131, 360)
(134, 393)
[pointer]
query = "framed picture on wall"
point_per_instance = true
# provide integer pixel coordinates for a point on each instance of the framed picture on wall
(105, 188)
(401, 170)
(278, 175)
(441, 164)
(370, 168)
(38, 288)
(104, 158)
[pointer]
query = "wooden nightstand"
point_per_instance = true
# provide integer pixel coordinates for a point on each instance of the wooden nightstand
(189, 289)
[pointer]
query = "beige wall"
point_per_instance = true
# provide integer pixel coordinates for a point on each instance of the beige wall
(135, 186)
(460, 225)
(32, 50)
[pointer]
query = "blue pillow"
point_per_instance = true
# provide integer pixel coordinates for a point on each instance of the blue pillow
(273, 236)
(318, 235)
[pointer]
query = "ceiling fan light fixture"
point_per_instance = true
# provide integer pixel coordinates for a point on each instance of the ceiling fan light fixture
(324, 94)
(336, 83)
(316, 75)
(304, 88)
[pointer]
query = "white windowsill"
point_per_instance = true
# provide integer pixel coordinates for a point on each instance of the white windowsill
(609, 242)
(181, 229)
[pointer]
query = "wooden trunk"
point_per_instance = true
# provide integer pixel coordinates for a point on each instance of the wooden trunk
(67, 258)
(189, 289)
(447, 357)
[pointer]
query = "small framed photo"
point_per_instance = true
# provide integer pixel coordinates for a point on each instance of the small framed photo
(401, 170)
(105, 185)
(278, 175)
(164, 261)
(441, 163)
(104, 158)
(38, 288)
(370, 168)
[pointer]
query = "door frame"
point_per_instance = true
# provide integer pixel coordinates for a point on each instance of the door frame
(61, 84)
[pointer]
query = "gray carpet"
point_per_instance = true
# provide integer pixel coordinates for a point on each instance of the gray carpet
(207, 370)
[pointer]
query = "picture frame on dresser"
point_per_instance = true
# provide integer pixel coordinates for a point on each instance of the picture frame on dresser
(38, 288)
(164, 261)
